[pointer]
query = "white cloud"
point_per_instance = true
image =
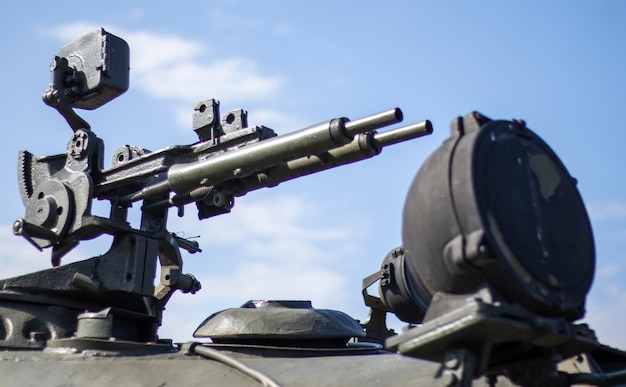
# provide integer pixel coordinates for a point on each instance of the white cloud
(291, 281)
(606, 210)
(183, 116)
(609, 270)
(17, 256)
(233, 79)
(265, 249)
(277, 228)
(69, 32)
(148, 50)
(283, 29)
(175, 68)
(279, 121)
(606, 318)
(151, 51)
(260, 280)
(606, 302)
(222, 19)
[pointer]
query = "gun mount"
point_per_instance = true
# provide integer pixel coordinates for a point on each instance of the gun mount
(230, 159)
(496, 261)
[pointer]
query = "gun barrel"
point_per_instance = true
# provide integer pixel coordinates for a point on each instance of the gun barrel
(373, 122)
(363, 146)
(402, 134)
(251, 159)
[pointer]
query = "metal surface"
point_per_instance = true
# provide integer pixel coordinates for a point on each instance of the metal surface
(495, 294)
(382, 369)
(402, 293)
(502, 210)
(276, 322)
(87, 74)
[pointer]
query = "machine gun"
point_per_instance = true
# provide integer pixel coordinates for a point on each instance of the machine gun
(230, 159)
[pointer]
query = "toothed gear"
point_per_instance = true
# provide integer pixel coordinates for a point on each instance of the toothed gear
(25, 175)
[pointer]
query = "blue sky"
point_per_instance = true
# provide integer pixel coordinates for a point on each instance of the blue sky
(559, 66)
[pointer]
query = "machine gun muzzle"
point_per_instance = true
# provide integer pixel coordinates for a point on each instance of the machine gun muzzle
(269, 162)
(363, 146)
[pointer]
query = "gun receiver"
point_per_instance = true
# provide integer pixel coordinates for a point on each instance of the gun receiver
(57, 191)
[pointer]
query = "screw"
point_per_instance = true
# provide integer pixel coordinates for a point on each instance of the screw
(449, 379)
(451, 361)
(38, 336)
(78, 145)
